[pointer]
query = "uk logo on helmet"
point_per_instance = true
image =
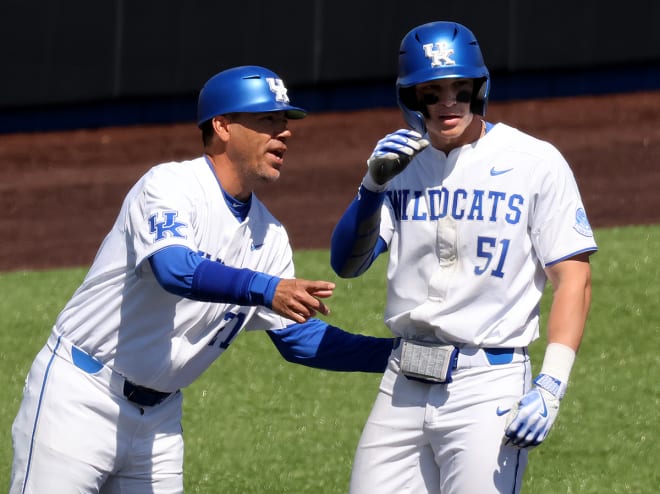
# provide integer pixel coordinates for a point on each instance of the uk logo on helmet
(277, 88)
(439, 53)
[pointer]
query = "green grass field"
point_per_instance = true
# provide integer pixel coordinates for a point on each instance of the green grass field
(254, 423)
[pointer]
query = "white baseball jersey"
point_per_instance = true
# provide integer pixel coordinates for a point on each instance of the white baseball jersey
(120, 314)
(470, 233)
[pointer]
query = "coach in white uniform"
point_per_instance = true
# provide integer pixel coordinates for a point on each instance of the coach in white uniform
(193, 259)
(474, 224)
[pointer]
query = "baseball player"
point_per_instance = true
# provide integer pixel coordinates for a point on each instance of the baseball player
(193, 259)
(475, 217)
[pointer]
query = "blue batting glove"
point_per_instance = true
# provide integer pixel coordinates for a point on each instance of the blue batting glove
(393, 153)
(530, 419)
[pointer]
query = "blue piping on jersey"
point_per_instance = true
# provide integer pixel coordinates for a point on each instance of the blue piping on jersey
(576, 253)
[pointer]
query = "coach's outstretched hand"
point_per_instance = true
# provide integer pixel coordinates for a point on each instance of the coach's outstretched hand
(393, 153)
(530, 420)
(298, 299)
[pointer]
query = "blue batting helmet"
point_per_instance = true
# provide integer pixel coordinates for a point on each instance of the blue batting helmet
(439, 50)
(245, 89)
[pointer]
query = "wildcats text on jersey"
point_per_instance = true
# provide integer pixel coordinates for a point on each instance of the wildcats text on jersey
(460, 204)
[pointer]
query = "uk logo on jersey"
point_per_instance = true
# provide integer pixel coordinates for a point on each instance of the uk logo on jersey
(164, 224)
(439, 53)
(278, 89)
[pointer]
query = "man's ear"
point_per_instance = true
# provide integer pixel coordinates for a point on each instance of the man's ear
(221, 127)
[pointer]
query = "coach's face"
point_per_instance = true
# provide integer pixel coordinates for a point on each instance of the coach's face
(448, 114)
(257, 145)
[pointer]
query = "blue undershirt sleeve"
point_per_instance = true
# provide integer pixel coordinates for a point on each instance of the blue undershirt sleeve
(174, 268)
(356, 242)
(185, 273)
(317, 344)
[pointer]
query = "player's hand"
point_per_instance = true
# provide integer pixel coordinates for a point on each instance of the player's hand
(530, 419)
(393, 153)
(298, 299)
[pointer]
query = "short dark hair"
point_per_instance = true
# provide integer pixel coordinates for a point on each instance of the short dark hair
(207, 132)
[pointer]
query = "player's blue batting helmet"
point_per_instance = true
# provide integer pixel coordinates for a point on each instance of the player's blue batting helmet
(439, 50)
(245, 89)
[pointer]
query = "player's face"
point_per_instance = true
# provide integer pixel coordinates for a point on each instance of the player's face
(257, 145)
(447, 103)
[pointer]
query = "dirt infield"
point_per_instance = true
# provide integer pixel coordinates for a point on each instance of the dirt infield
(62, 190)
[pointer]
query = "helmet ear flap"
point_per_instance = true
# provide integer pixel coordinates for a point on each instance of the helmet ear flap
(408, 96)
(413, 111)
(479, 96)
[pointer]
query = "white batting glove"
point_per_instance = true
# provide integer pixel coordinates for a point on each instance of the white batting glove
(393, 153)
(530, 420)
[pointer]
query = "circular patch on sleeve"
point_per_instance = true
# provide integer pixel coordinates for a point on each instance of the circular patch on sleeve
(582, 225)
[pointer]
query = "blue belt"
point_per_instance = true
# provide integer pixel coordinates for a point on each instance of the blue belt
(499, 356)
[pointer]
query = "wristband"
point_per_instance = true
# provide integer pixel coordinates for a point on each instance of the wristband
(558, 361)
(262, 289)
(370, 184)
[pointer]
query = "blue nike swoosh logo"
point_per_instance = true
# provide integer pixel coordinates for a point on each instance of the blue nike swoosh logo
(544, 413)
(501, 412)
(256, 247)
(494, 172)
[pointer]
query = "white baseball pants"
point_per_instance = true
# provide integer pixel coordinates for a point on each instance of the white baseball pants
(76, 432)
(443, 438)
